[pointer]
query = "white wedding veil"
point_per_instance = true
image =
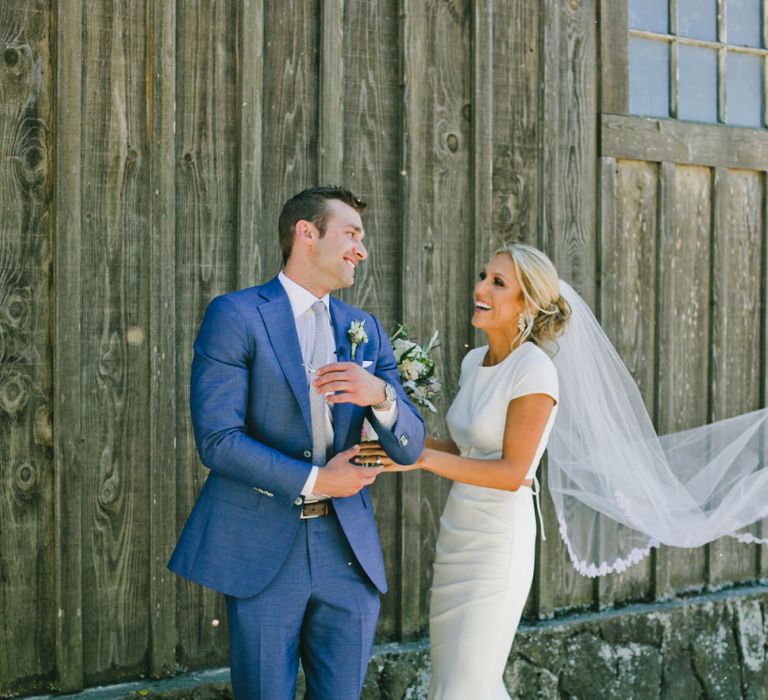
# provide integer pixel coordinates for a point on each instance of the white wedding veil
(619, 489)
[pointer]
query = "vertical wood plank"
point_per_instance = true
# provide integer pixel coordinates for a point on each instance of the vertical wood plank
(331, 94)
(436, 253)
(628, 306)
(736, 304)
(115, 289)
(568, 218)
(682, 320)
(290, 137)
(614, 57)
(372, 169)
(481, 114)
(162, 334)
(27, 492)
(67, 350)
(250, 90)
(206, 249)
(511, 88)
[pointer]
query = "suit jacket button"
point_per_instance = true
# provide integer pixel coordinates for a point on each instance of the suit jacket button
(298, 501)
(307, 454)
(404, 440)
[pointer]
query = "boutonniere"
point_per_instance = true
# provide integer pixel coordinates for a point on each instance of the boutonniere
(357, 335)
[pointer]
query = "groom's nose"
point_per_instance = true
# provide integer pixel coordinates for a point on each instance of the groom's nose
(360, 250)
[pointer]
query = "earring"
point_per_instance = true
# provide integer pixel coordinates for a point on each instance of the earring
(521, 323)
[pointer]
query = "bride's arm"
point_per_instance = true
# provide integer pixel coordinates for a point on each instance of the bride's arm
(526, 420)
(441, 444)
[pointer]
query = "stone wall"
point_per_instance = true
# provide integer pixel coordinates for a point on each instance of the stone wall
(711, 646)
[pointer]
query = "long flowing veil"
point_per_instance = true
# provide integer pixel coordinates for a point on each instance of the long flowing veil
(620, 489)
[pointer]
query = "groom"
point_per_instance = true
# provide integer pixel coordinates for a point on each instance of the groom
(282, 378)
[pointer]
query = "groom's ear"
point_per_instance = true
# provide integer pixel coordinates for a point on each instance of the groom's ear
(305, 232)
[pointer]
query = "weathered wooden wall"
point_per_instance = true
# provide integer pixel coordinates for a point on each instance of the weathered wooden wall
(145, 150)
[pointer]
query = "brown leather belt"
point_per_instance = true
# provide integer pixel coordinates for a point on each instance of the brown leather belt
(316, 510)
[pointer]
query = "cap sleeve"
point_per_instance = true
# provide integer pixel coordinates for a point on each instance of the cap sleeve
(535, 375)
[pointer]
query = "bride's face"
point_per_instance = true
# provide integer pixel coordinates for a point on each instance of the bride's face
(498, 297)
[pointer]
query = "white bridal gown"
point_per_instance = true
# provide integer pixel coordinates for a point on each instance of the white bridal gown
(486, 545)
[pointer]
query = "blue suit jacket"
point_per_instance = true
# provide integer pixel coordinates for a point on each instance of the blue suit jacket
(250, 411)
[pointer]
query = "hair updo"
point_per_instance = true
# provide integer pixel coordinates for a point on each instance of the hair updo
(546, 311)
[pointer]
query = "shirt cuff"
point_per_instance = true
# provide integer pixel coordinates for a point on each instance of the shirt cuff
(388, 416)
(309, 484)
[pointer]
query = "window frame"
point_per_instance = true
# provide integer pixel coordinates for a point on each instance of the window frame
(614, 45)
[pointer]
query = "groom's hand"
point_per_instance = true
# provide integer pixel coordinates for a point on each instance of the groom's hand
(341, 478)
(349, 383)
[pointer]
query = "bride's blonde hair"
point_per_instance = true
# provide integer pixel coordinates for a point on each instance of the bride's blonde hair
(546, 312)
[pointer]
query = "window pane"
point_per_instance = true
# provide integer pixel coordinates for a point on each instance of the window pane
(648, 77)
(744, 90)
(697, 18)
(697, 86)
(743, 22)
(649, 15)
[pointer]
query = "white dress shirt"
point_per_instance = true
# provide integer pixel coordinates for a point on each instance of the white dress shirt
(301, 304)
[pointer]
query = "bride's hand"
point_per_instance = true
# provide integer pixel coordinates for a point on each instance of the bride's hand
(372, 455)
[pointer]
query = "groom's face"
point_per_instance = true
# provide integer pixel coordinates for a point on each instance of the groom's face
(338, 253)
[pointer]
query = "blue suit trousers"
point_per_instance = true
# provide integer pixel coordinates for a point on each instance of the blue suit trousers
(321, 608)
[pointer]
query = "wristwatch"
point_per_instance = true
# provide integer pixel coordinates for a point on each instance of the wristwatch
(390, 394)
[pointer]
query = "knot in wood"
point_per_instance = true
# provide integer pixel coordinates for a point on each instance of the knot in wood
(452, 141)
(16, 308)
(26, 477)
(108, 492)
(17, 59)
(11, 57)
(13, 393)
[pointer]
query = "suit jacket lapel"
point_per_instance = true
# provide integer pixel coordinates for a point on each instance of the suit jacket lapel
(342, 412)
(278, 320)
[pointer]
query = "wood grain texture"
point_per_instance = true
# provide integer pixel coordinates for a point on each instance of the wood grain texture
(331, 93)
(27, 489)
(162, 336)
(628, 229)
(736, 303)
(371, 168)
(644, 138)
(67, 352)
(683, 336)
(206, 249)
(251, 241)
(436, 256)
(568, 219)
(115, 293)
(511, 90)
(291, 116)
(614, 57)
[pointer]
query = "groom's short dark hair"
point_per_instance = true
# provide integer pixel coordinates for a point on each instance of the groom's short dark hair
(309, 205)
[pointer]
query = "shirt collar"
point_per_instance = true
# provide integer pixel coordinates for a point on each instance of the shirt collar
(301, 299)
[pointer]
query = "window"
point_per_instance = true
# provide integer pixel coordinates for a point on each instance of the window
(699, 60)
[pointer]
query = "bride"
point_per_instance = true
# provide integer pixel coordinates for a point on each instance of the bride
(499, 423)
(549, 376)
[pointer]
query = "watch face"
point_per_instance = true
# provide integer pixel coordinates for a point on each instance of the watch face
(389, 390)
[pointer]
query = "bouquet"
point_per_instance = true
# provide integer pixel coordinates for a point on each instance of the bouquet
(416, 368)
(417, 373)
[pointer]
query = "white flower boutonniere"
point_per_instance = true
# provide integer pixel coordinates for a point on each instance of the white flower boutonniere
(357, 335)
